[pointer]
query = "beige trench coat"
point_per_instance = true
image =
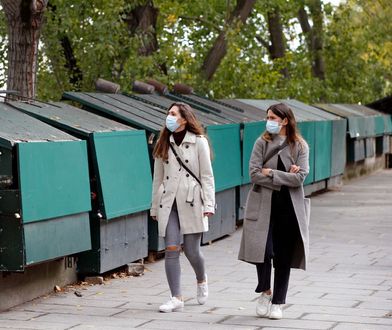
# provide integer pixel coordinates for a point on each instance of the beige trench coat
(171, 181)
(258, 205)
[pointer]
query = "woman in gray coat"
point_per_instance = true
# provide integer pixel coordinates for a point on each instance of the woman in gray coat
(183, 197)
(276, 221)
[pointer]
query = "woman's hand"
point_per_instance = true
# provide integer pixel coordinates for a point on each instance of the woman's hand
(154, 218)
(266, 171)
(208, 214)
(294, 169)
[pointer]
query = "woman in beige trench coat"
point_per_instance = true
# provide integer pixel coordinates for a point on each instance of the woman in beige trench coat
(183, 197)
(276, 221)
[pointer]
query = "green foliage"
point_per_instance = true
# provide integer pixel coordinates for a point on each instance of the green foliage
(357, 48)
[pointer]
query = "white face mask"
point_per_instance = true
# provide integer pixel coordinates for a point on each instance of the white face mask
(171, 123)
(273, 127)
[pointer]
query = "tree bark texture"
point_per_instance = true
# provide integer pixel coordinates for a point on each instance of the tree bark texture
(315, 7)
(218, 51)
(277, 49)
(314, 36)
(24, 21)
(142, 22)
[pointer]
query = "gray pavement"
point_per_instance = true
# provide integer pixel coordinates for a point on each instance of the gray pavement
(348, 284)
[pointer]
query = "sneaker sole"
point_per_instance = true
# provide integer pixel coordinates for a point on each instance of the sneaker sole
(275, 318)
(179, 309)
(266, 315)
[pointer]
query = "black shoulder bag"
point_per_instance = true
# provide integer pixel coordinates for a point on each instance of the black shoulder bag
(183, 165)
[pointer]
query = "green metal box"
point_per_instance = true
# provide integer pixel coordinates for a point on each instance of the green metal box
(42, 217)
(149, 112)
(120, 180)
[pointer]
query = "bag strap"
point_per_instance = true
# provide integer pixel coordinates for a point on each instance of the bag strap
(273, 152)
(183, 165)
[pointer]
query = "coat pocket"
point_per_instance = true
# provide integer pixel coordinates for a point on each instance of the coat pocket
(307, 210)
(252, 207)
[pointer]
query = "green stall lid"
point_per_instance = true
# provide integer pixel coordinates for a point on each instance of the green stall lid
(53, 179)
(217, 107)
(161, 104)
(247, 108)
(17, 127)
(378, 117)
(49, 165)
(362, 123)
(265, 104)
(45, 157)
(123, 165)
(374, 124)
(69, 119)
(119, 154)
(141, 111)
(112, 107)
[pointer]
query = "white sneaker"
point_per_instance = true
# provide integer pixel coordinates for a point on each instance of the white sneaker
(276, 312)
(202, 292)
(173, 305)
(263, 305)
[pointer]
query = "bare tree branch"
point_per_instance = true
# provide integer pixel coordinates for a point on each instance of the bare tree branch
(219, 48)
(263, 42)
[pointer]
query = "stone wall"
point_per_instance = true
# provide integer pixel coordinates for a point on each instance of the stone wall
(35, 281)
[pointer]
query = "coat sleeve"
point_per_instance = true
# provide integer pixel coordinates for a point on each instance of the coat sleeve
(156, 182)
(294, 179)
(206, 175)
(255, 166)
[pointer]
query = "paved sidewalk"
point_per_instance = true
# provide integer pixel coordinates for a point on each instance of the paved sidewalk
(348, 284)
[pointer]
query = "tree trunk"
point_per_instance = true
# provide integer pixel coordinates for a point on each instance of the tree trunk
(317, 38)
(277, 48)
(142, 22)
(75, 74)
(24, 21)
(314, 36)
(71, 63)
(218, 51)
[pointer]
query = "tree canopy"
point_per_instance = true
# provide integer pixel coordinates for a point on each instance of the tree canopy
(304, 49)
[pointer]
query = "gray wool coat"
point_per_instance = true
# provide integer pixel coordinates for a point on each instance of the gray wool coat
(258, 204)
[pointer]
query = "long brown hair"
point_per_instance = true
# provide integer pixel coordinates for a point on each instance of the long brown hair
(293, 135)
(193, 125)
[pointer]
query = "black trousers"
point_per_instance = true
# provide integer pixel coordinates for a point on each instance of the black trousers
(283, 236)
(281, 281)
